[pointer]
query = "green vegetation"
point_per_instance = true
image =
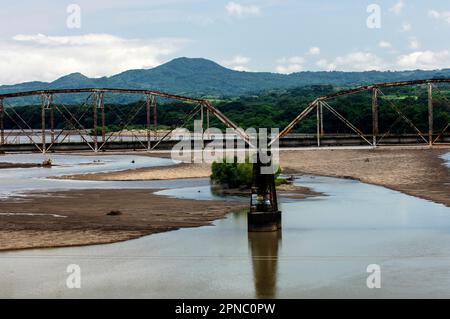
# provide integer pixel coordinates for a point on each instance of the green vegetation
(237, 175)
(232, 175)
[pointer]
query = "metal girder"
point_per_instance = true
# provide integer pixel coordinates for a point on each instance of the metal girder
(296, 120)
(375, 88)
(154, 94)
(345, 121)
(405, 118)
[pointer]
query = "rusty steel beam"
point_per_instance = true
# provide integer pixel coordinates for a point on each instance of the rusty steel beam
(155, 116)
(405, 118)
(296, 120)
(96, 90)
(94, 116)
(322, 131)
(206, 103)
(345, 121)
(52, 126)
(148, 103)
(125, 122)
(182, 123)
(318, 109)
(375, 129)
(359, 89)
(2, 123)
(102, 108)
(46, 101)
(72, 119)
(430, 114)
(227, 122)
(382, 85)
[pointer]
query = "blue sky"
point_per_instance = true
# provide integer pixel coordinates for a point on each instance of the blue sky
(37, 43)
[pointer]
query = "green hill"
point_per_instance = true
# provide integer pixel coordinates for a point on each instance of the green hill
(201, 77)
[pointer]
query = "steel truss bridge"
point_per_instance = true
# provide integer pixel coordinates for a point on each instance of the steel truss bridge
(47, 138)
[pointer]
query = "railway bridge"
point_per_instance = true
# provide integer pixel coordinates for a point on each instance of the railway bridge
(62, 128)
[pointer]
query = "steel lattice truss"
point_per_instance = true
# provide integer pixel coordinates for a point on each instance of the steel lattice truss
(322, 103)
(96, 137)
(94, 105)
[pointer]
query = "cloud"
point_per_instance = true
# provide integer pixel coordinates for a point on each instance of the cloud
(414, 44)
(314, 51)
(444, 15)
(240, 10)
(398, 7)
(406, 27)
(367, 61)
(325, 65)
(426, 60)
(238, 63)
(45, 58)
(359, 61)
(290, 65)
(384, 44)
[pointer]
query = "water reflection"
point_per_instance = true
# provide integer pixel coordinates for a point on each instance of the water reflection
(264, 248)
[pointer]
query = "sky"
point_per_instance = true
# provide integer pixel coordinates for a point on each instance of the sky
(41, 40)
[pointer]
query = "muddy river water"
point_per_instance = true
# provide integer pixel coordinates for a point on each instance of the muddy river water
(323, 250)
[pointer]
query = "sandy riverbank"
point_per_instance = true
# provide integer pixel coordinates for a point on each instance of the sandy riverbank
(85, 221)
(80, 217)
(417, 172)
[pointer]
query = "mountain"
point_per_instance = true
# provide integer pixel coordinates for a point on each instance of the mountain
(201, 77)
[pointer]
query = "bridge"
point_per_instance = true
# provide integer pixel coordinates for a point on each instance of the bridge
(18, 134)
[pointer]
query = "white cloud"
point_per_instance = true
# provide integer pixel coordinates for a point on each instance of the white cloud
(366, 61)
(444, 15)
(398, 7)
(384, 44)
(290, 65)
(426, 60)
(45, 58)
(325, 65)
(240, 10)
(414, 44)
(359, 61)
(314, 51)
(406, 27)
(238, 63)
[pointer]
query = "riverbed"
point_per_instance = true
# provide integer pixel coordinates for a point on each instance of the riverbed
(22, 180)
(323, 250)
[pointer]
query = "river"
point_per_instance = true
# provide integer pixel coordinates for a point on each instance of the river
(323, 250)
(446, 158)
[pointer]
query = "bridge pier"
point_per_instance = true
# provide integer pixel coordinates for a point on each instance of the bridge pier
(264, 215)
